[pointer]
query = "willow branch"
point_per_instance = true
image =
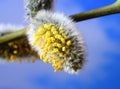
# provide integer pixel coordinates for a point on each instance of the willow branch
(13, 35)
(107, 10)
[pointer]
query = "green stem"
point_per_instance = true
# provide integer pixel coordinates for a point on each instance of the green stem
(13, 35)
(107, 10)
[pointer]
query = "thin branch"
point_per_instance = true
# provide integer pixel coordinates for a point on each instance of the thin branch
(107, 10)
(13, 35)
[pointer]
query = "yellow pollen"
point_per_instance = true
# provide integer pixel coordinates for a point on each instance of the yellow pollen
(52, 52)
(69, 43)
(62, 40)
(45, 60)
(63, 49)
(46, 45)
(56, 69)
(15, 46)
(55, 32)
(56, 36)
(15, 51)
(42, 46)
(48, 34)
(10, 43)
(61, 68)
(59, 45)
(48, 48)
(50, 40)
(44, 55)
(53, 29)
(36, 38)
(12, 57)
(55, 65)
(55, 50)
(33, 43)
(36, 34)
(62, 62)
(55, 44)
(64, 35)
(41, 30)
(61, 28)
(56, 60)
(41, 57)
(59, 36)
(47, 26)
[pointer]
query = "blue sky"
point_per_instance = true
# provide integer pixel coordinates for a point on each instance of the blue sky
(102, 37)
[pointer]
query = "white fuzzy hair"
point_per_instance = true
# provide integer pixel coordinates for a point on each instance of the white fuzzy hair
(73, 63)
(33, 6)
(7, 28)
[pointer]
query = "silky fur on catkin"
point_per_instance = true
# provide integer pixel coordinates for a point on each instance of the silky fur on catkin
(33, 6)
(57, 40)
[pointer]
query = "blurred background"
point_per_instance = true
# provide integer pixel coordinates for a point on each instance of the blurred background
(102, 37)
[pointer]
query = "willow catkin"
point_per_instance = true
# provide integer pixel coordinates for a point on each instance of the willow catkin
(33, 6)
(57, 41)
(17, 50)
